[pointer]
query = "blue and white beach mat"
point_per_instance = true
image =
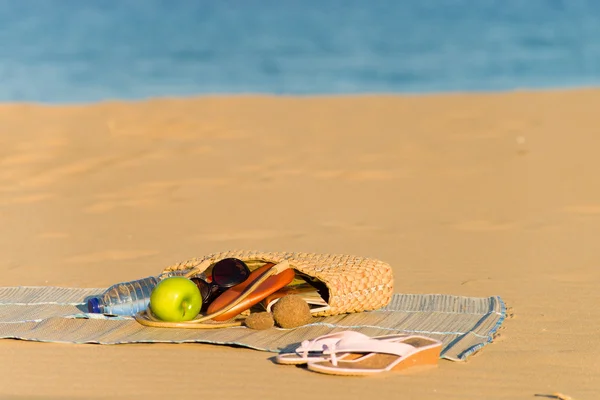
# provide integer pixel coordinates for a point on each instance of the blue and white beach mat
(53, 314)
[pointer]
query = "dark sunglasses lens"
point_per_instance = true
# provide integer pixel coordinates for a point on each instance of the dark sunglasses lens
(230, 272)
(204, 288)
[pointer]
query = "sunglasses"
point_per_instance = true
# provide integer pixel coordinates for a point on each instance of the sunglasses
(225, 274)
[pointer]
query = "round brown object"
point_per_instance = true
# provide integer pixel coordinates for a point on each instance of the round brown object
(291, 311)
(259, 321)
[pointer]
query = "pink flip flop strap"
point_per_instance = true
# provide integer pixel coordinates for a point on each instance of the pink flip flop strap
(322, 342)
(367, 346)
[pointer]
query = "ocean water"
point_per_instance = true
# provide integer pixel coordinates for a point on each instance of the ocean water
(65, 51)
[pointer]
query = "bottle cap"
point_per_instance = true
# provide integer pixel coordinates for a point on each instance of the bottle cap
(94, 305)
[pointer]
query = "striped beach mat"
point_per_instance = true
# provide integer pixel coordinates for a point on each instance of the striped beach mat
(54, 314)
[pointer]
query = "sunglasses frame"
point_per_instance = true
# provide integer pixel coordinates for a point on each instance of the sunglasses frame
(217, 288)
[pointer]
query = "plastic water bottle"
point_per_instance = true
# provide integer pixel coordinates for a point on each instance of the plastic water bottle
(128, 298)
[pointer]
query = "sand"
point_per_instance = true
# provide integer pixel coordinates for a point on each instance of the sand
(475, 195)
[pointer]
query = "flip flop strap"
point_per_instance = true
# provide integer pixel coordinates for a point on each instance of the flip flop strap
(320, 343)
(367, 346)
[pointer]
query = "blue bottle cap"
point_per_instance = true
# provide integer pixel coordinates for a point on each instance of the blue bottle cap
(94, 305)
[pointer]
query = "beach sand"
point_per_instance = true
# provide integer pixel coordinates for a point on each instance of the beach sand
(474, 195)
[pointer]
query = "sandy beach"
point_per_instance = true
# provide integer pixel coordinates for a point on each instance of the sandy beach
(472, 195)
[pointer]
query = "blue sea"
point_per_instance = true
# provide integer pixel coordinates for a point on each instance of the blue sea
(66, 51)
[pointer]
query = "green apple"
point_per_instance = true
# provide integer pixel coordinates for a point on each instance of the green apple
(176, 299)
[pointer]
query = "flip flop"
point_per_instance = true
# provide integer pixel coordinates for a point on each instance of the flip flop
(378, 356)
(312, 350)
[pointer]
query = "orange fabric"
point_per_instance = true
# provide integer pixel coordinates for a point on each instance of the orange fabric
(271, 285)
